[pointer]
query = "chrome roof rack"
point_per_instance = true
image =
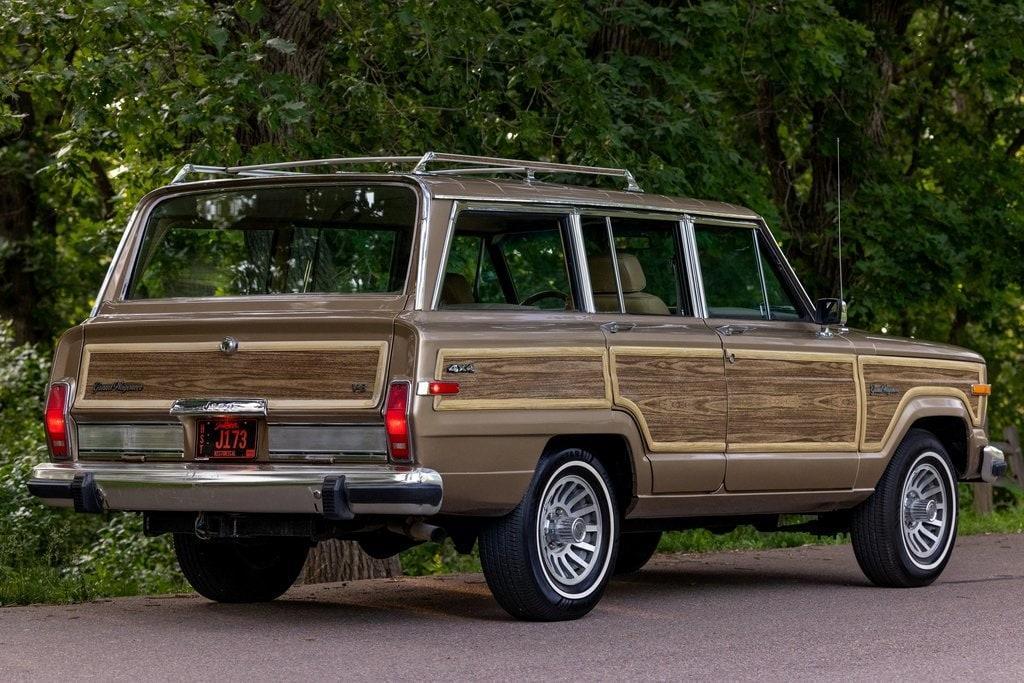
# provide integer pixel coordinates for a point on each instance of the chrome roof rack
(455, 164)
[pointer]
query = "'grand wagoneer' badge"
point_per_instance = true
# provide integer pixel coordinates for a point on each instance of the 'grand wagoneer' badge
(118, 387)
(881, 390)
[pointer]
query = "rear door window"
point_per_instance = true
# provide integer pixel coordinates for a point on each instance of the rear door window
(645, 276)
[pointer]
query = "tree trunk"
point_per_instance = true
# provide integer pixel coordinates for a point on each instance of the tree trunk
(344, 561)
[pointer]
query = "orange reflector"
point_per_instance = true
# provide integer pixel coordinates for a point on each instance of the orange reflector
(981, 389)
(442, 388)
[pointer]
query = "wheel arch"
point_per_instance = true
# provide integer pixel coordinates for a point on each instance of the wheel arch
(614, 452)
(946, 417)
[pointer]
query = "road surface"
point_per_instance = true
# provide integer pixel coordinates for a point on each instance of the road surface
(804, 613)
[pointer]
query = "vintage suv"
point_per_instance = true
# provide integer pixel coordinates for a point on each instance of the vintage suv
(280, 356)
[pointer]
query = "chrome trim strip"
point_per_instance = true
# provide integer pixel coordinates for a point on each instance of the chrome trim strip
(760, 276)
(696, 277)
(131, 438)
(256, 487)
(597, 204)
(579, 252)
(199, 406)
(286, 439)
(615, 263)
(425, 202)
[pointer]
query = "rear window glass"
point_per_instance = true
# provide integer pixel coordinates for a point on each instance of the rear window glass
(329, 239)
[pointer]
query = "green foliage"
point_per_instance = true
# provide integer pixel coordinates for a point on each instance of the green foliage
(100, 101)
(49, 554)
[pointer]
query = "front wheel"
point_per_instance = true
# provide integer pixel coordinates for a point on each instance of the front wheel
(904, 533)
(550, 558)
(240, 571)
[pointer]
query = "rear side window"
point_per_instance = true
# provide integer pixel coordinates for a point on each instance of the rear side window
(508, 261)
(740, 277)
(330, 239)
(634, 265)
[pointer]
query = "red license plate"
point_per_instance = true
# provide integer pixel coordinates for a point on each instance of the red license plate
(226, 439)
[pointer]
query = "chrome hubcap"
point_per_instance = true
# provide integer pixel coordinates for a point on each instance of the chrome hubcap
(926, 512)
(570, 530)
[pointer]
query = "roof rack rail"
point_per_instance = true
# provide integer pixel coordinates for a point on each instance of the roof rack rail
(457, 164)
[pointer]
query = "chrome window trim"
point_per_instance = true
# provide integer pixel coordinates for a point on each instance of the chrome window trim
(600, 204)
(760, 276)
(615, 263)
(458, 206)
(695, 276)
(425, 203)
(582, 267)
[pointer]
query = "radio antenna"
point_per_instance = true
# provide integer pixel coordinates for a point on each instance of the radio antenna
(839, 220)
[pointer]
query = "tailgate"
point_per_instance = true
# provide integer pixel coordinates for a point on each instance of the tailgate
(321, 377)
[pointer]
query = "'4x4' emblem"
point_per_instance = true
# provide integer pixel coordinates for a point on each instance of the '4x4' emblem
(459, 368)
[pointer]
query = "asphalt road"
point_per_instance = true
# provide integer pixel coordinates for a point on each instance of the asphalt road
(804, 613)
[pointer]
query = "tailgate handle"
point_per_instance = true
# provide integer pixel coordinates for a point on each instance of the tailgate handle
(256, 407)
(614, 327)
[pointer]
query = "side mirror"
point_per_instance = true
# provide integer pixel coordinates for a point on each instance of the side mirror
(830, 312)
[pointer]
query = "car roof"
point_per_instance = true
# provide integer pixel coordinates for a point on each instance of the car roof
(488, 190)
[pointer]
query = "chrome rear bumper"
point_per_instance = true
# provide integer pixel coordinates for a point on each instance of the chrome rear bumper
(263, 487)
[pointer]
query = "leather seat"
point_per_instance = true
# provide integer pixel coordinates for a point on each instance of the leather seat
(631, 274)
(456, 290)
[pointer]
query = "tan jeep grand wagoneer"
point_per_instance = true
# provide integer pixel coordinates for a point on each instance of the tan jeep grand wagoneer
(560, 373)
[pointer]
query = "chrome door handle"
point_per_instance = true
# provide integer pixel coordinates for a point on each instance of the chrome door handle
(729, 330)
(614, 327)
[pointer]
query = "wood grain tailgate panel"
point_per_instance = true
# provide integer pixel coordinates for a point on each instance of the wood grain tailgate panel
(342, 374)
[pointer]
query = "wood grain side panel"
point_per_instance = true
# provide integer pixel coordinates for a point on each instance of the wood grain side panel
(677, 396)
(793, 402)
(506, 379)
(328, 375)
(889, 383)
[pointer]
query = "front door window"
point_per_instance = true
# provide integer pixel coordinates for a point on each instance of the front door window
(741, 279)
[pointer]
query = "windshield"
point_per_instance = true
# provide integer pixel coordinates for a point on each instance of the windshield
(331, 239)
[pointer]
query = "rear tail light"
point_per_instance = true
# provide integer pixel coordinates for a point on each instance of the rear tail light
(396, 421)
(56, 420)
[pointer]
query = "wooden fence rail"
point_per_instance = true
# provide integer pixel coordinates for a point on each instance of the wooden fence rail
(1015, 472)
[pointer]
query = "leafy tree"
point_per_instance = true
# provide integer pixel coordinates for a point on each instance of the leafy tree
(100, 100)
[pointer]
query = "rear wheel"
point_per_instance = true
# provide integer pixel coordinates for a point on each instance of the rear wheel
(636, 550)
(550, 558)
(240, 571)
(904, 533)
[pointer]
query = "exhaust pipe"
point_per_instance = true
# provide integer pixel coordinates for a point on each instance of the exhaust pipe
(419, 530)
